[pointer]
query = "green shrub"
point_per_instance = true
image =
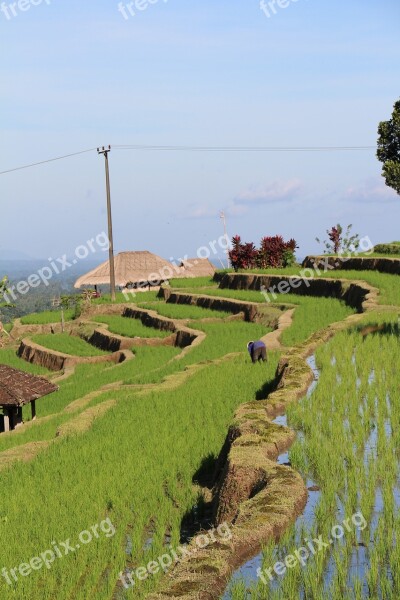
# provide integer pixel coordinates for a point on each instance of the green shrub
(392, 248)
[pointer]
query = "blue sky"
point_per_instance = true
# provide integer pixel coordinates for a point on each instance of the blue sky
(77, 75)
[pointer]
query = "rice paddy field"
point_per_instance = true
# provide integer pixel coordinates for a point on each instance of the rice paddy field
(183, 311)
(129, 327)
(66, 343)
(388, 285)
(47, 317)
(312, 314)
(128, 445)
(347, 448)
(164, 431)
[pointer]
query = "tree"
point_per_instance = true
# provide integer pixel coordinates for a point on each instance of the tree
(339, 243)
(3, 302)
(273, 252)
(389, 148)
(3, 290)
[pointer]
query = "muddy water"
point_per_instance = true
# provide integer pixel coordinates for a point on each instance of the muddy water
(247, 573)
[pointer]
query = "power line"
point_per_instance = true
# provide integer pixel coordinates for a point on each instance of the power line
(202, 149)
(42, 162)
(244, 148)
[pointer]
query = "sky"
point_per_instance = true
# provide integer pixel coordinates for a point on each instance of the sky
(221, 73)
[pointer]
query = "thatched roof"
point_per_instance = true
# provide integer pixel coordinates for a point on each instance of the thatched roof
(18, 388)
(196, 267)
(130, 268)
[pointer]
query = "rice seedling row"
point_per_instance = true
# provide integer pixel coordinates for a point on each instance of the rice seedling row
(348, 442)
(129, 327)
(134, 466)
(66, 343)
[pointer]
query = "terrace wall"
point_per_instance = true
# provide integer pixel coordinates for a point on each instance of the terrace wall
(358, 295)
(57, 361)
(249, 309)
(111, 342)
(384, 265)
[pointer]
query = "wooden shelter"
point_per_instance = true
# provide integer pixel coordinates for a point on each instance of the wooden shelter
(196, 267)
(132, 269)
(17, 389)
(141, 269)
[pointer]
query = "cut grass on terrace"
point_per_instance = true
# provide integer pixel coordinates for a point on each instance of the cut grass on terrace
(130, 327)
(67, 344)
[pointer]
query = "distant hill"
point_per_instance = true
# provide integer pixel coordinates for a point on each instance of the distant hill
(39, 298)
(20, 268)
(7, 254)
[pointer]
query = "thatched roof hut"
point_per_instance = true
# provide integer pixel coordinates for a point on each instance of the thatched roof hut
(131, 268)
(196, 267)
(18, 388)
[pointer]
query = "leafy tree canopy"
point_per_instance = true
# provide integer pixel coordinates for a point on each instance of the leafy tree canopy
(389, 148)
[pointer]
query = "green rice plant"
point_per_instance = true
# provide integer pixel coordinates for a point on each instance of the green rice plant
(349, 447)
(185, 311)
(192, 282)
(129, 327)
(221, 338)
(388, 284)
(47, 317)
(68, 344)
(138, 469)
(9, 357)
(239, 591)
(132, 296)
(311, 314)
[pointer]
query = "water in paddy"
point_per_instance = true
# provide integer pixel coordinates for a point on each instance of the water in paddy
(371, 556)
(247, 573)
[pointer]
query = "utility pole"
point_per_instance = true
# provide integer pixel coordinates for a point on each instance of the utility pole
(222, 216)
(105, 152)
(57, 302)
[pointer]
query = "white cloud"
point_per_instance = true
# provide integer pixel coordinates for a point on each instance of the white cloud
(372, 189)
(277, 191)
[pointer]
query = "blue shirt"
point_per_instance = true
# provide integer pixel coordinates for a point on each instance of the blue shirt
(256, 345)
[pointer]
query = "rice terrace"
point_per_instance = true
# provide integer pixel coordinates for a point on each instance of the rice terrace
(200, 300)
(194, 473)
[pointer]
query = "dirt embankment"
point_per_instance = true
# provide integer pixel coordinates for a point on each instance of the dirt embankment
(384, 265)
(184, 336)
(257, 497)
(150, 319)
(357, 294)
(111, 342)
(249, 309)
(57, 361)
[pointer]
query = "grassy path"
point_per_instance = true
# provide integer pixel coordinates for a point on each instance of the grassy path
(272, 339)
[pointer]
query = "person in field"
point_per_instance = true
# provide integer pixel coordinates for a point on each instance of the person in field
(257, 351)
